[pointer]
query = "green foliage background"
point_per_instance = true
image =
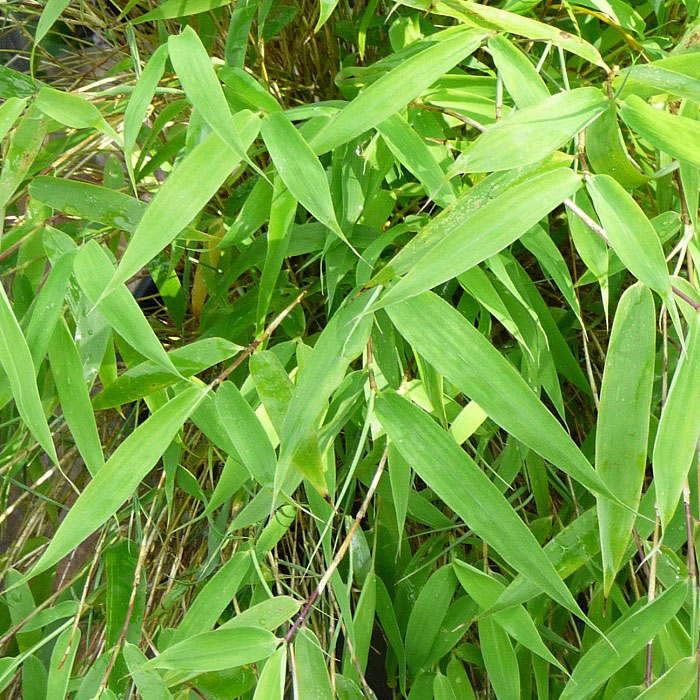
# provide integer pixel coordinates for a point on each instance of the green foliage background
(415, 409)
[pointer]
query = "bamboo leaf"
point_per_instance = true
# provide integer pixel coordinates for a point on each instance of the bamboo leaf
(300, 170)
(679, 427)
(67, 370)
(270, 686)
(678, 136)
(16, 360)
(119, 477)
(217, 650)
(529, 135)
(627, 636)
(247, 434)
(625, 403)
(630, 233)
(464, 357)
(193, 183)
(520, 78)
(458, 242)
(93, 270)
(393, 91)
(464, 488)
(171, 9)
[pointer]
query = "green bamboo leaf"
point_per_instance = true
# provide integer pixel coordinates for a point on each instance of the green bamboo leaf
(16, 84)
(628, 636)
(73, 111)
(141, 98)
(678, 136)
(675, 683)
(213, 598)
(310, 673)
(530, 134)
(119, 477)
(268, 614)
(413, 153)
(171, 9)
(248, 89)
(270, 685)
(679, 426)
(393, 91)
(340, 342)
(453, 243)
(90, 202)
(193, 183)
(607, 153)
(427, 614)
(17, 362)
(520, 78)
(217, 650)
(25, 144)
(9, 113)
(282, 212)
(665, 80)
(464, 357)
(51, 12)
(630, 233)
(486, 590)
(499, 659)
(196, 74)
(457, 480)
(300, 170)
(247, 434)
(93, 270)
(150, 684)
(67, 371)
(494, 18)
(148, 377)
(622, 429)
(59, 668)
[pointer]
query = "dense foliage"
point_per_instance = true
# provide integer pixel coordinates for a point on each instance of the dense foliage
(349, 348)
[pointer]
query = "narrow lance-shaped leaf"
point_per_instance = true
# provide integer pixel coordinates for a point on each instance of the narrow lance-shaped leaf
(73, 111)
(119, 477)
(413, 153)
(466, 358)
(630, 233)
(140, 99)
(9, 113)
(495, 18)
(193, 67)
(622, 429)
(193, 183)
(170, 9)
(499, 659)
(246, 433)
(607, 153)
(396, 89)
(676, 135)
(90, 202)
(25, 143)
(486, 590)
(628, 636)
(467, 241)
(67, 371)
(300, 170)
(93, 271)
(217, 650)
(16, 360)
(520, 78)
(150, 684)
(457, 480)
(530, 134)
(340, 342)
(679, 427)
(270, 685)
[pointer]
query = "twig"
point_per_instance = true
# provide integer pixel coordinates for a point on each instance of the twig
(341, 552)
(586, 219)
